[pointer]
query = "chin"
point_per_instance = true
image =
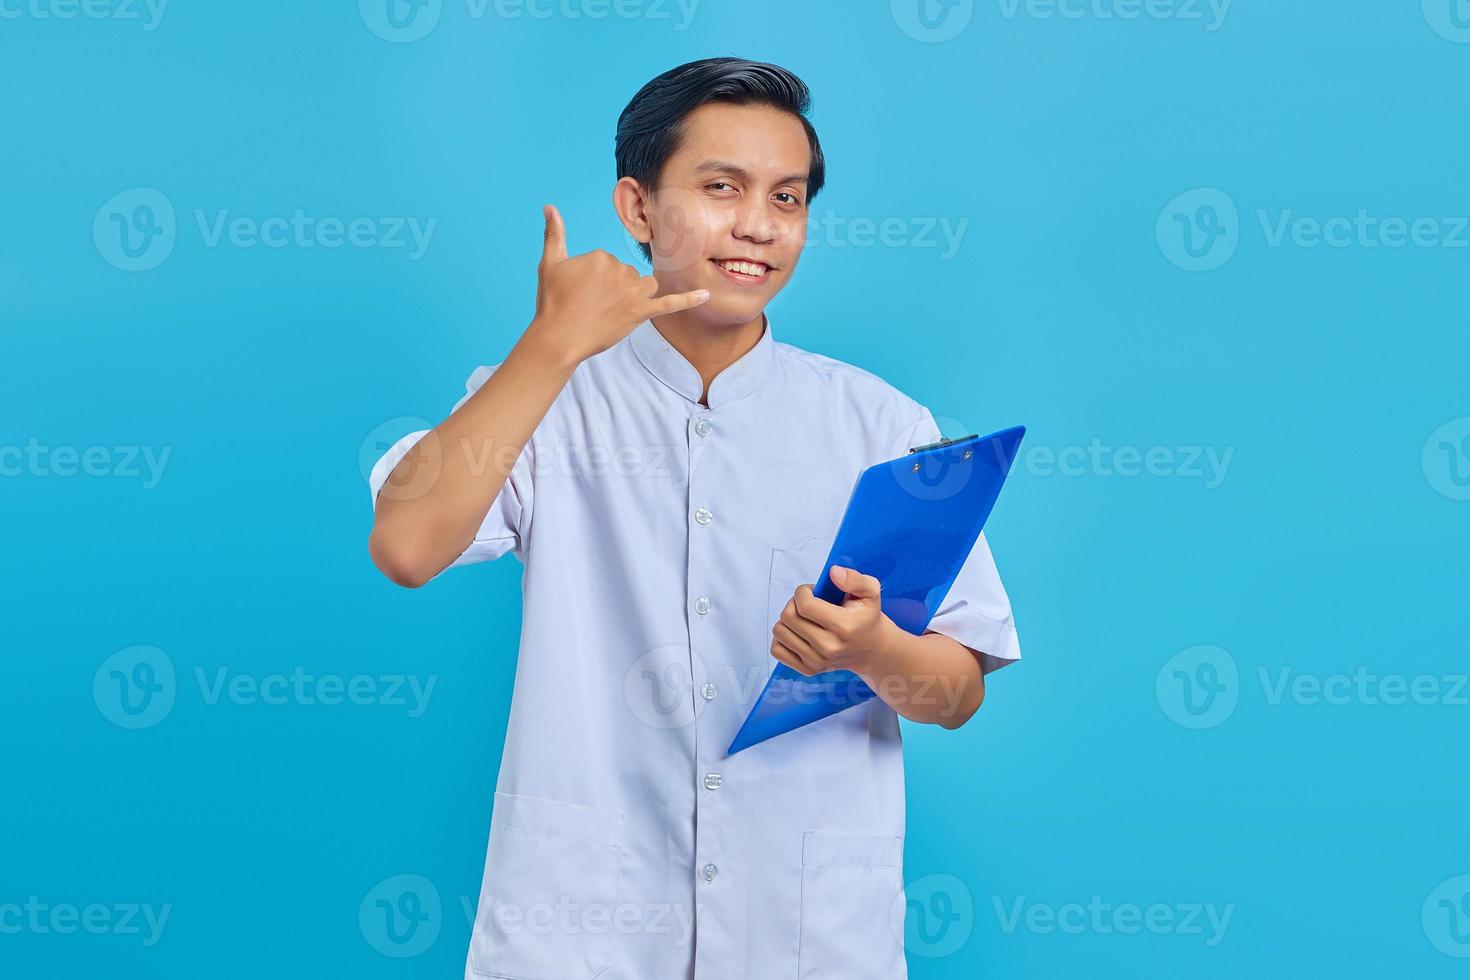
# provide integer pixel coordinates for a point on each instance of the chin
(724, 308)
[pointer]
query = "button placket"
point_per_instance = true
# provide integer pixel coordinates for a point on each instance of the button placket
(709, 843)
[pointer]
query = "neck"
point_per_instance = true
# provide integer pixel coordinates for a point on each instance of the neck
(710, 347)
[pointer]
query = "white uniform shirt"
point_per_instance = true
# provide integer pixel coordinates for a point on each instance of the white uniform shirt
(660, 540)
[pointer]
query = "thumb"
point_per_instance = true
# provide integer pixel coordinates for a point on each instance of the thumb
(554, 249)
(854, 583)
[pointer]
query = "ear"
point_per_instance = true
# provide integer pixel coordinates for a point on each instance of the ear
(631, 203)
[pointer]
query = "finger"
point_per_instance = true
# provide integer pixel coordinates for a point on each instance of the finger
(855, 583)
(554, 248)
(790, 658)
(795, 642)
(791, 616)
(818, 612)
(674, 302)
(782, 655)
(812, 636)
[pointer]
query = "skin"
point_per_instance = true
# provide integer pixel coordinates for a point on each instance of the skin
(931, 679)
(735, 188)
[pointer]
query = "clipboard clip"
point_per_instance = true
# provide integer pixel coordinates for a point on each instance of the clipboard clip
(941, 443)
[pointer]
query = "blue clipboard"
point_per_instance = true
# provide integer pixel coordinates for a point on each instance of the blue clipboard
(910, 522)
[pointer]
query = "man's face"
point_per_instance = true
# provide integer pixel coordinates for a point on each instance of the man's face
(731, 209)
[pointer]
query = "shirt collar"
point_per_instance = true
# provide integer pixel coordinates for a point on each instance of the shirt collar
(673, 369)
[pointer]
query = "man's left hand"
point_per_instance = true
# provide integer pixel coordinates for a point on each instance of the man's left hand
(814, 635)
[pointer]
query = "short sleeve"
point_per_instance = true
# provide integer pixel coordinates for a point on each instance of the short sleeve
(507, 524)
(976, 611)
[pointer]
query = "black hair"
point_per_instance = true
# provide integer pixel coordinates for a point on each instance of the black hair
(650, 128)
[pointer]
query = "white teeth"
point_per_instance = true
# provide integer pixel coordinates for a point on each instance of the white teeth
(748, 268)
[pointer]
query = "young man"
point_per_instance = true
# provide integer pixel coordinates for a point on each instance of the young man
(672, 476)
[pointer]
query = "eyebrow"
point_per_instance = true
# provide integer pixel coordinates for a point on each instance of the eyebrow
(740, 173)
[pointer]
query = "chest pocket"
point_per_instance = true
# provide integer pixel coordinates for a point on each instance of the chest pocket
(790, 567)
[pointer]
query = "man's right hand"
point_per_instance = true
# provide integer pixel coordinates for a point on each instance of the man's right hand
(586, 304)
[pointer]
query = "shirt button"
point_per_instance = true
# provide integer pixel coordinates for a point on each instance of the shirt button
(703, 427)
(709, 871)
(703, 515)
(712, 780)
(701, 605)
(707, 692)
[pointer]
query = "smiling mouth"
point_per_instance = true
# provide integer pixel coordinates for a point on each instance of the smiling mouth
(742, 270)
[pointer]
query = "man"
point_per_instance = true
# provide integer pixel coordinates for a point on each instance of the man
(672, 476)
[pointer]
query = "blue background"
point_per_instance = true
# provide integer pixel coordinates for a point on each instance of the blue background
(1335, 540)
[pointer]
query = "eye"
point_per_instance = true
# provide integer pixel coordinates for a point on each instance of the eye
(719, 183)
(790, 198)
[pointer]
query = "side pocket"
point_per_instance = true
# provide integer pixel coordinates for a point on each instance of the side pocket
(552, 875)
(852, 907)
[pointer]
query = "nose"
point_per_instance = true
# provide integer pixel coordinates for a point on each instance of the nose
(754, 223)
